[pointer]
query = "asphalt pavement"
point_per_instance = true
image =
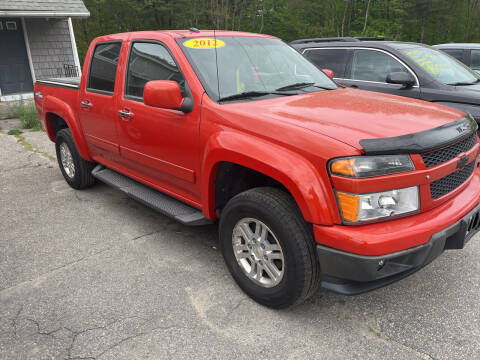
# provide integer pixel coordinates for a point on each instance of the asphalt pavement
(93, 274)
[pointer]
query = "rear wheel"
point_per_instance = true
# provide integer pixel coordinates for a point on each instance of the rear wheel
(76, 170)
(269, 248)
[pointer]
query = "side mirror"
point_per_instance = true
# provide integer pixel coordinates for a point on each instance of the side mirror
(401, 78)
(166, 94)
(329, 73)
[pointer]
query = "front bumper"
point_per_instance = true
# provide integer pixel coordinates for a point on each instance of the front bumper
(349, 274)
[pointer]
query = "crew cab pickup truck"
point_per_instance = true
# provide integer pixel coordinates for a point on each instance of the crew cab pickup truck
(313, 184)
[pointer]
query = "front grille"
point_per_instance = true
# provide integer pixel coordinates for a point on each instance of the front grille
(450, 182)
(450, 152)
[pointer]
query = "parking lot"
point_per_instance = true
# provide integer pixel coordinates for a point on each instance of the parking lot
(94, 275)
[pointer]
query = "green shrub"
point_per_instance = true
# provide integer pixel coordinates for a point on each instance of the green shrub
(27, 113)
(15, 132)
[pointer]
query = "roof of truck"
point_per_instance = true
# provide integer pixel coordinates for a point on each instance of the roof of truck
(178, 34)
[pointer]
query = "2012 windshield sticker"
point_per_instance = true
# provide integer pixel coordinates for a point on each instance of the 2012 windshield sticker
(204, 43)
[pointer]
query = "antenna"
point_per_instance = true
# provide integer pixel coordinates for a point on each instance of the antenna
(216, 56)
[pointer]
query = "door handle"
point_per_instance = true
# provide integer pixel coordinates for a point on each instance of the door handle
(125, 115)
(354, 86)
(86, 104)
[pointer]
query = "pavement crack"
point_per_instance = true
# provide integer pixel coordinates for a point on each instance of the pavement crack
(237, 305)
(46, 333)
(144, 235)
(61, 267)
(128, 338)
(15, 320)
(75, 334)
(385, 338)
(27, 146)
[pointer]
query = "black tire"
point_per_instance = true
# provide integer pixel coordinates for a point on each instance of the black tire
(82, 176)
(279, 212)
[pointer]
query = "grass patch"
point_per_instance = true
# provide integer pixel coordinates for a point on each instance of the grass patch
(15, 132)
(27, 113)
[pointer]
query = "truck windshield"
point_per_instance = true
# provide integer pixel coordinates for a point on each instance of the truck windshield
(252, 67)
(441, 66)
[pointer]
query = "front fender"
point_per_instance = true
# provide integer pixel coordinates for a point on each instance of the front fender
(55, 106)
(290, 169)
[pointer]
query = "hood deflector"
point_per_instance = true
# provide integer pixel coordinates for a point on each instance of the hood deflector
(422, 141)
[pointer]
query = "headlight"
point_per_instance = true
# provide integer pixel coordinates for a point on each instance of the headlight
(368, 166)
(358, 208)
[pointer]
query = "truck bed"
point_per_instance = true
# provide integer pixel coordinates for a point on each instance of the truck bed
(70, 82)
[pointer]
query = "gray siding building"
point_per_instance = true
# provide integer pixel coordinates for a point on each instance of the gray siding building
(36, 42)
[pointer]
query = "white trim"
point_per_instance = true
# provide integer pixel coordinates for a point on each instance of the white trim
(16, 97)
(43, 14)
(417, 82)
(51, 82)
(74, 46)
(29, 54)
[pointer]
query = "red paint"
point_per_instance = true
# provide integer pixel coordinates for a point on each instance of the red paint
(162, 94)
(329, 73)
(290, 139)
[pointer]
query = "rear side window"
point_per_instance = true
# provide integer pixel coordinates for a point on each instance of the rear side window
(333, 59)
(475, 59)
(147, 62)
(456, 53)
(371, 65)
(103, 67)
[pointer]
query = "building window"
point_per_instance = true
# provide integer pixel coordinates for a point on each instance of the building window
(11, 25)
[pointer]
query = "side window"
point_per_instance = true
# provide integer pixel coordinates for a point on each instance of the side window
(456, 53)
(333, 59)
(475, 59)
(150, 61)
(371, 65)
(103, 67)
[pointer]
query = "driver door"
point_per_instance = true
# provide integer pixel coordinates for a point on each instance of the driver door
(159, 146)
(369, 70)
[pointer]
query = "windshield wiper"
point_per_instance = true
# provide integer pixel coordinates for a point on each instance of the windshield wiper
(460, 83)
(298, 85)
(302, 85)
(250, 94)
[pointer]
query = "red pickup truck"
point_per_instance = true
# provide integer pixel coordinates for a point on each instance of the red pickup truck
(313, 184)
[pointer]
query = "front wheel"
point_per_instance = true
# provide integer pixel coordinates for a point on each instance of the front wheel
(269, 248)
(76, 170)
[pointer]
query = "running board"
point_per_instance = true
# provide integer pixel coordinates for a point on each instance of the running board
(158, 201)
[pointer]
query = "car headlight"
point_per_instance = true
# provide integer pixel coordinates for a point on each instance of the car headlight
(368, 166)
(360, 208)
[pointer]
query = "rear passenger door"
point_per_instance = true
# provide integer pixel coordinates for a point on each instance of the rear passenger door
(369, 69)
(330, 58)
(98, 113)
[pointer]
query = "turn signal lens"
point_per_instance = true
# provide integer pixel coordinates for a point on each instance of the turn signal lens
(348, 205)
(344, 167)
(369, 166)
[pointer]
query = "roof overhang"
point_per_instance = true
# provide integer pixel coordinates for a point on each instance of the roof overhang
(43, 14)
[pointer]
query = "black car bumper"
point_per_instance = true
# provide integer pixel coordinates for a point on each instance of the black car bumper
(352, 274)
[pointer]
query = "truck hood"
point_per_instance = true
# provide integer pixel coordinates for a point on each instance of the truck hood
(350, 115)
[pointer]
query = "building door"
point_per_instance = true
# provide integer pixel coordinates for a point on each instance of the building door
(15, 76)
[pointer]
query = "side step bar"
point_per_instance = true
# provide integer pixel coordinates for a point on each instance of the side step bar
(158, 201)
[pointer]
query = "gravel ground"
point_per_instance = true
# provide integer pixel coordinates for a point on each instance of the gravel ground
(94, 275)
